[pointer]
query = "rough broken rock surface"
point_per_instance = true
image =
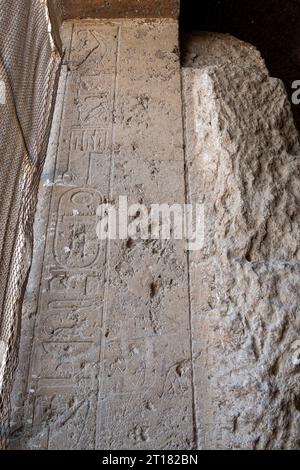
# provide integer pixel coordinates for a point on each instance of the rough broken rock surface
(243, 160)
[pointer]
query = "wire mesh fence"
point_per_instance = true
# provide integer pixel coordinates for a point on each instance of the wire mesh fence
(29, 67)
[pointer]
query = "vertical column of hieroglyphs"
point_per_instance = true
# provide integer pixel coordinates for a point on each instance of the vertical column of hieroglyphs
(145, 395)
(65, 360)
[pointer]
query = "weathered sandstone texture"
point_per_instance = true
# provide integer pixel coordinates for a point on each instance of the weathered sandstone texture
(105, 359)
(243, 161)
(120, 8)
(133, 344)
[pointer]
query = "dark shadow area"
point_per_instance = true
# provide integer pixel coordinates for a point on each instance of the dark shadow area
(273, 26)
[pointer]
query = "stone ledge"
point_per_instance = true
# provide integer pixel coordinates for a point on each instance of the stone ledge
(120, 9)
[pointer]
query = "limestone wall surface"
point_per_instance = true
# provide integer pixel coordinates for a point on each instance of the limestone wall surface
(105, 353)
(135, 344)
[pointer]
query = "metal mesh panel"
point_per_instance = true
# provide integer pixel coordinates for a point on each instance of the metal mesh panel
(29, 65)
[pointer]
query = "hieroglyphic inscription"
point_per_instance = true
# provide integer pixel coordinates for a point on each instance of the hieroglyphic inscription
(65, 362)
(112, 344)
(76, 244)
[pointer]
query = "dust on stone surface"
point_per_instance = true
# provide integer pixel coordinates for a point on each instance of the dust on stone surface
(106, 343)
(243, 161)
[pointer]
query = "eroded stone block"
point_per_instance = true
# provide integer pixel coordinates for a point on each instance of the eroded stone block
(243, 164)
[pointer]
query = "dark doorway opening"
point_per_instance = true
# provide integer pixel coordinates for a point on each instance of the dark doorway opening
(273, 26)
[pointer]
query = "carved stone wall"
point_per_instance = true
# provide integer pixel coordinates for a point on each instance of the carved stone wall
(134, 344)
(106, 360)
